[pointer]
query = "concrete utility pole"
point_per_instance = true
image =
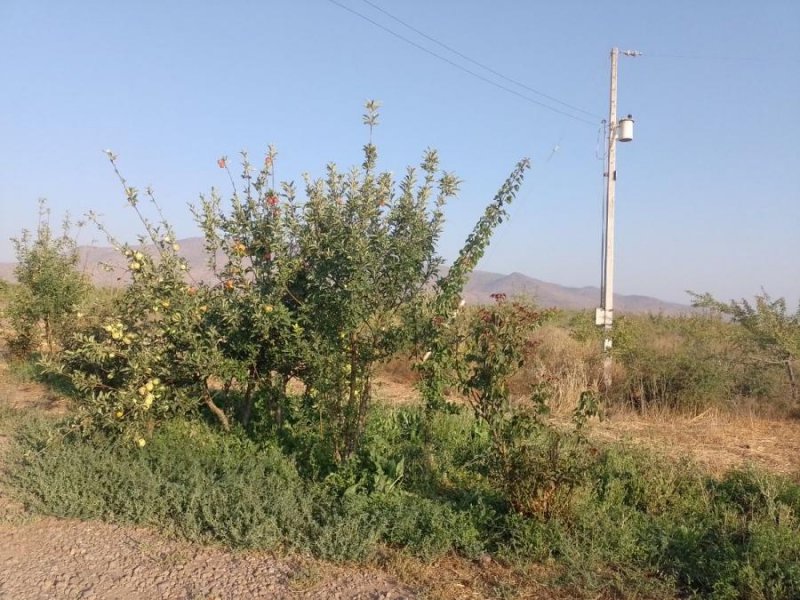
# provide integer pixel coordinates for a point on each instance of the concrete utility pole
(622, 131)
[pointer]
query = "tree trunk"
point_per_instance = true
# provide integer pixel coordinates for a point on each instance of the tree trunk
(366, 393)
(279, 400)
(246, 410)
(216, 410)
(48, 338)
(792, 379)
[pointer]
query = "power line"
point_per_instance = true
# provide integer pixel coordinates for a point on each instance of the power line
(478, 64)
(752, 59)
(461, 67)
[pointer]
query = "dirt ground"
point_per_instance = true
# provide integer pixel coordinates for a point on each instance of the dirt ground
(51, 558)
(717, 442)
(48, 558)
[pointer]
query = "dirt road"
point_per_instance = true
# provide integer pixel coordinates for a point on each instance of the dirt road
(49, 559)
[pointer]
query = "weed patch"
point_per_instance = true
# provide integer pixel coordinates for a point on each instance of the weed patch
(635, 526)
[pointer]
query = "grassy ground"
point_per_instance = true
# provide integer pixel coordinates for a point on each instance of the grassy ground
(641, 522)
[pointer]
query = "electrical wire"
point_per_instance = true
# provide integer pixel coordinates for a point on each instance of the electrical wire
(478, 64)
(461, 67)
(755, 59)
(600, 149)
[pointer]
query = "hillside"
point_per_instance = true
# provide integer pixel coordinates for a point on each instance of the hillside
(482, 284)
(106, 268)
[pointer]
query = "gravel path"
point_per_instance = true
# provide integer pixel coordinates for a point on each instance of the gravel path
(51, 559)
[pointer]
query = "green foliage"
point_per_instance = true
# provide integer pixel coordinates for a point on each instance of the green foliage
(151, 355)
(534, 465)
(211, 487)
(635, 524)
(318, 290)
(50, 288)
(539, 467)
(189, 480)
(767, 331)
(435, 332)
(496, 344)
(323, 289)
(430, 528)
(684, 363)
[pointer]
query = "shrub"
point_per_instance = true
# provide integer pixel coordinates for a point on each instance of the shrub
(766, 330)
(535, 465)
(323, 290)
(685, 363)
(153, 356)
(50, 288)
(188, 479)
(320, 291)
(496, 345)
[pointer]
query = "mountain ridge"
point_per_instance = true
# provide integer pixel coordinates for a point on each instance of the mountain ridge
(106, 267)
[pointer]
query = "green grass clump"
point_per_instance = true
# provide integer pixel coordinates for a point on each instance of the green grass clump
(634, 525)
(187, 479)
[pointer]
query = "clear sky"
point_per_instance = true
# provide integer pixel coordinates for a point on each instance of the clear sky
(708, 192)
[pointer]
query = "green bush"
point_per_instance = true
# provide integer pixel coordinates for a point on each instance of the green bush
(211, 487)
(202, 485)
(766, 331)
(320, 290)
(50, 291)
(685, 363)
(430, 528)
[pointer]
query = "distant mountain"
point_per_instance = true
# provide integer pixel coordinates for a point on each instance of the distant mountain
(483, 284)
(106, 267)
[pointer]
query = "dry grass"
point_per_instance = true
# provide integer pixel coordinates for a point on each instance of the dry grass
(399, 370)
(569, 367)
(717, 441)
(454, 578)
(448, 578)
(20, 394)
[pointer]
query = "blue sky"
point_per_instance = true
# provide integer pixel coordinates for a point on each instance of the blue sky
(708, 193)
